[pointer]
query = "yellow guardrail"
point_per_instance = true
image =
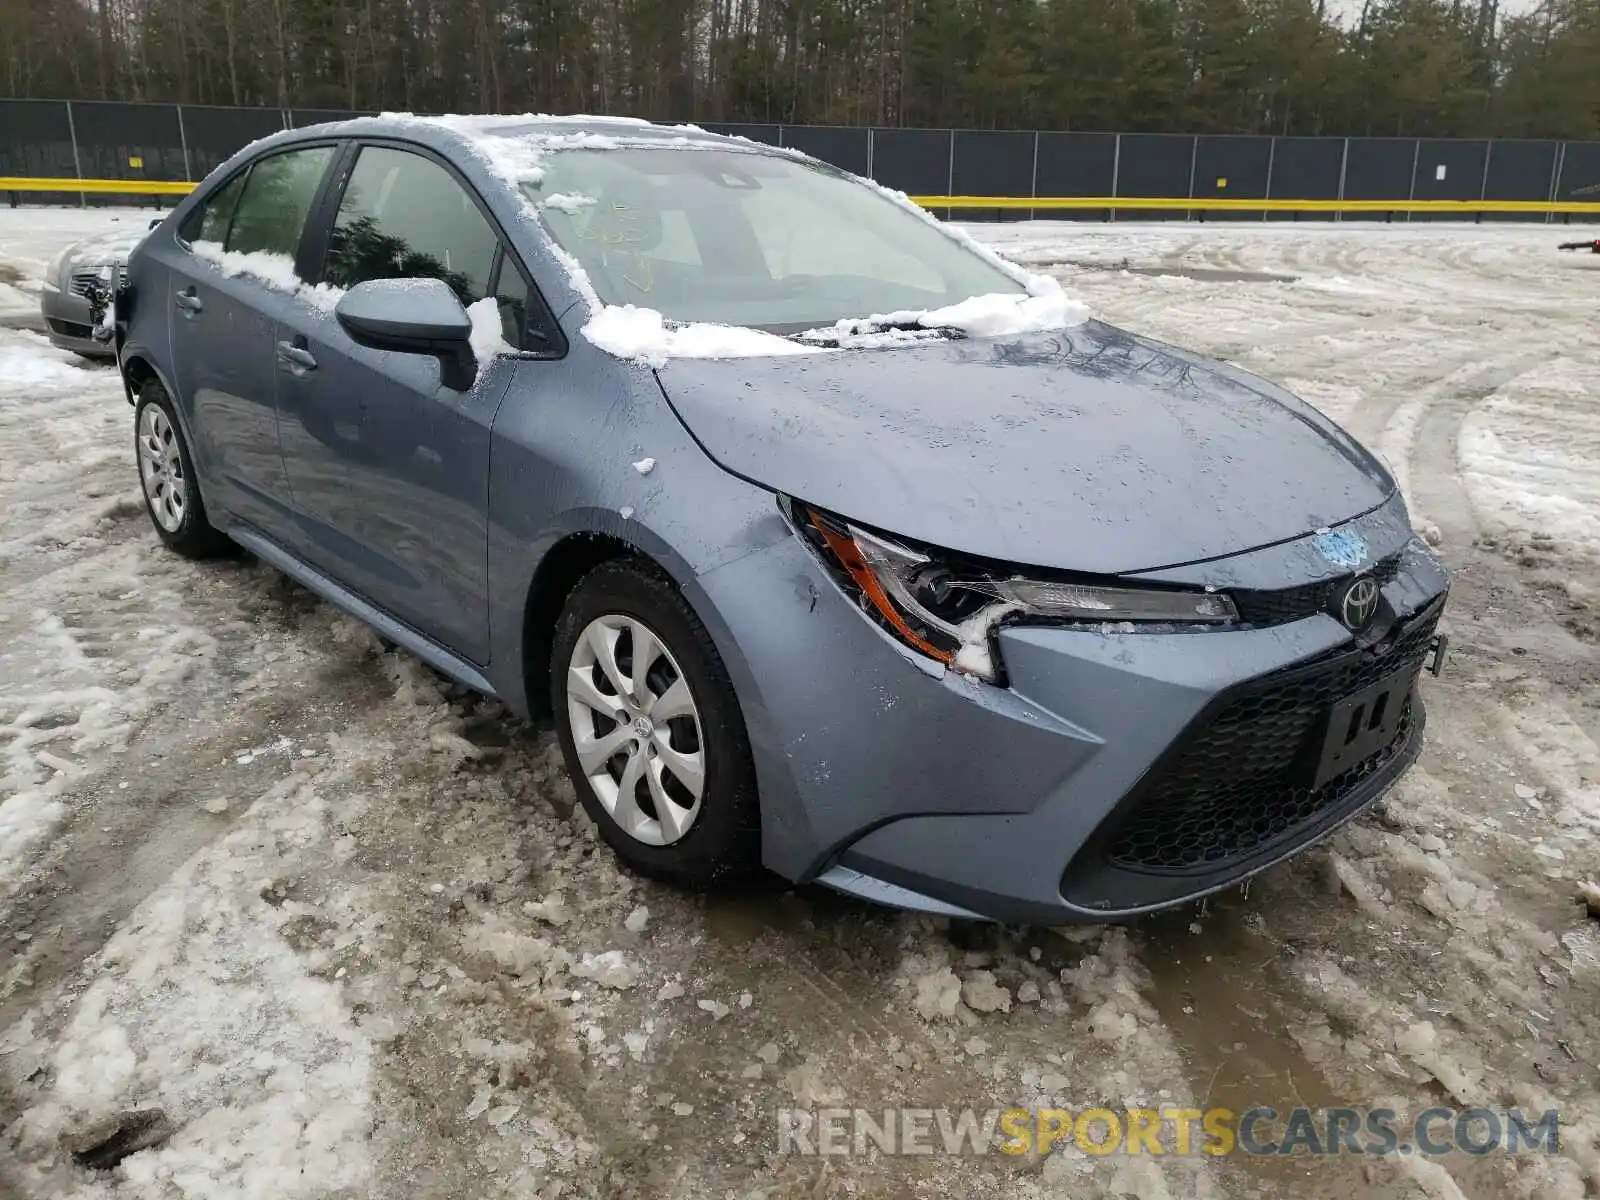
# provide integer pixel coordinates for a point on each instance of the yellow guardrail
(1243, 204)
(126, 187)
(158, 187)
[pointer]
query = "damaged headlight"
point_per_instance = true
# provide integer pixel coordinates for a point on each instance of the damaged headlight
(948, 609)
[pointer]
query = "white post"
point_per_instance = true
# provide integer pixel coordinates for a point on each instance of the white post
(77, 163)
(1116, 172)
(183, 138)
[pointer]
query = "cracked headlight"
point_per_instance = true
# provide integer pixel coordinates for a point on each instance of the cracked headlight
(948, 609)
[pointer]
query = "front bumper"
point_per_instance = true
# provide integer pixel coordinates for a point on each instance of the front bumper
(70, 325)
(1116, 774)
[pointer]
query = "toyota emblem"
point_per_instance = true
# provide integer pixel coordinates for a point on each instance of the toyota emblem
(1360, 603)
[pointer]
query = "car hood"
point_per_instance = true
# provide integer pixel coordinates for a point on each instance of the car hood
(1087, 449)
(104, 248)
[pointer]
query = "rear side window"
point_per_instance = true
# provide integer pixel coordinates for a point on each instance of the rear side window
(209, 222)
(271, 211)
(405, 217)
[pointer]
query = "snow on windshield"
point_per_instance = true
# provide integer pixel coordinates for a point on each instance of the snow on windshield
(792, 249)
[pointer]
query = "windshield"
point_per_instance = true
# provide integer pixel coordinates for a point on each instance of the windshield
(737, 238)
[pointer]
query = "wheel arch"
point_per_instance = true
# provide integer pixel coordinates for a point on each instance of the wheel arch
(559, 571)
(138, 368)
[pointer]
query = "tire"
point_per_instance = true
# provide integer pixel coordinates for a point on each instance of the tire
(714, 841)
(167, 479)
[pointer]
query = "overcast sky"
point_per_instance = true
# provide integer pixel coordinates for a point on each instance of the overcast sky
(1348, 10)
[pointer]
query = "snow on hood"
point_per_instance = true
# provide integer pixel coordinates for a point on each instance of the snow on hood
(643, 334)
(104, 248)
(996, 315)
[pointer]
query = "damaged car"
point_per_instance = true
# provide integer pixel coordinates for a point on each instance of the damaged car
(75, 298)
(828, 541)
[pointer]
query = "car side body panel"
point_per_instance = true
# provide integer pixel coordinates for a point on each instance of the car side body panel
(389, 471)
(566, 441)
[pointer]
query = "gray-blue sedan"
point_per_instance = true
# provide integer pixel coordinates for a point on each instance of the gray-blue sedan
(830, 541)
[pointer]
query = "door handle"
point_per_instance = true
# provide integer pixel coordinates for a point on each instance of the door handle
(298, 357)
(188, 300)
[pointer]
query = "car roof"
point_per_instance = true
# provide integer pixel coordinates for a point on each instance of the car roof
(474, 128)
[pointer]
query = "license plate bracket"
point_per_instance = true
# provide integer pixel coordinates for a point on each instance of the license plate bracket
(1364, 723)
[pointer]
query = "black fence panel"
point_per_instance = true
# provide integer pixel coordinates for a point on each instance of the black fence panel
(299, 118)
(36, 142)
(128, 141)
(1155, 164)
(113, 140)
(1449, 170)
(917, 161)
(992, 163)
(1305, 168)
(1580, 177)
(756, 133)
(1232, 168)
(1075, 164)
(1378, 169)
(841, 145)
(1520, 170)
(217, 134)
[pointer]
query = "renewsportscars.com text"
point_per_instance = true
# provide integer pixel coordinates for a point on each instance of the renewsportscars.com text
(1166, 1131)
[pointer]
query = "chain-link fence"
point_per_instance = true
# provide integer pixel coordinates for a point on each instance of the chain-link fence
(55, 139)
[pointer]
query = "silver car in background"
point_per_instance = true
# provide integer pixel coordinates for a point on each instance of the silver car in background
(74, 280)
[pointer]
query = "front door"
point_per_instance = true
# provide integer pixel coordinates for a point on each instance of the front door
(232, 276)
(389, 468)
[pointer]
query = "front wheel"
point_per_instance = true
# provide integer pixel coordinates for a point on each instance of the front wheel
(166, 473)
(651, 729)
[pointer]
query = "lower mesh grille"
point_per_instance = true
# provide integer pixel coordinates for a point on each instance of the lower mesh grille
(1245, 778)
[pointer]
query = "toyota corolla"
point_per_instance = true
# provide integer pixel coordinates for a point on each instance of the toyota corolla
(829, 541)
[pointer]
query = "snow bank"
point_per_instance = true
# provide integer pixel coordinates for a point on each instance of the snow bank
(29, 363)
(1527, 455)
(203, 1006)
(643, 335)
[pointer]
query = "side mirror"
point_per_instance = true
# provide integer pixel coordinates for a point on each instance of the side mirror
(413, 316)
(154, 221)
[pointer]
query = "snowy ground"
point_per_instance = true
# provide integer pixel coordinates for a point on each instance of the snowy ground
(30, 238)
(338, 920)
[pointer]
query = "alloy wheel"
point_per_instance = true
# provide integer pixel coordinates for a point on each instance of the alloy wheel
(161, 468)
(636, 729)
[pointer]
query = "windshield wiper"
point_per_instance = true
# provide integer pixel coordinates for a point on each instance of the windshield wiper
(831, 335)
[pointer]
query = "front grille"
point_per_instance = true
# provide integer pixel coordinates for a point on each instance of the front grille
(1294, 603)
(82, 282)
(1244, 779)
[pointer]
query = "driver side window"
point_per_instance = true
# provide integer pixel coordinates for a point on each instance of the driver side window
(403, 216)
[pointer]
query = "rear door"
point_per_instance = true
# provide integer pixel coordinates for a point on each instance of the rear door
(389, 468)
(231, 281)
